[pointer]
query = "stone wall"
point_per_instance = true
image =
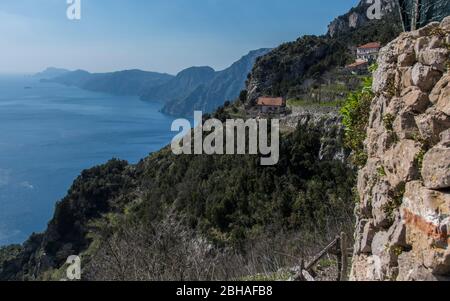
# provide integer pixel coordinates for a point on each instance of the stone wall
(404, 211)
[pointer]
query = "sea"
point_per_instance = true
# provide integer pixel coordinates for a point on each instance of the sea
(49, 133)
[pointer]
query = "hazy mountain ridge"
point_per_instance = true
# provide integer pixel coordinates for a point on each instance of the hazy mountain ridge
(194, 88)
(180, 86)
(224, 85)
(51, 72)
(128, 82)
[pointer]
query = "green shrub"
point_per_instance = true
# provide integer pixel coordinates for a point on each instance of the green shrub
(355, 114)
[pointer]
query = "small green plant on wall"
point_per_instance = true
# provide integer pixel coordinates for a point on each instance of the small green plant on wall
(355, 117)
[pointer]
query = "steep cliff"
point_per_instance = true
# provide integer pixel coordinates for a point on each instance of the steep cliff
(295, 69)
(404, 211)
(358, 16)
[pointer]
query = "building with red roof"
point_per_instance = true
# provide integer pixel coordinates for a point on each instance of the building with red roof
(368, 52)
(271, 104)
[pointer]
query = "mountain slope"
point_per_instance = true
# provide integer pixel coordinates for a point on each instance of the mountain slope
(181, 86)
(128, 82)
(50, 72)
(225, 85)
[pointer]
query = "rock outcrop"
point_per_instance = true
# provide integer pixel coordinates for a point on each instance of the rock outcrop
(357, 17)
(404, 211)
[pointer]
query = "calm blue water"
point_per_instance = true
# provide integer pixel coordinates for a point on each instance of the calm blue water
(49, 133)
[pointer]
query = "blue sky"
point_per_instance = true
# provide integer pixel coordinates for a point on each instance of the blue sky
(157, 35)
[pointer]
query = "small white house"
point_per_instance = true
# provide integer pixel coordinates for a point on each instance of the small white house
(368, 52)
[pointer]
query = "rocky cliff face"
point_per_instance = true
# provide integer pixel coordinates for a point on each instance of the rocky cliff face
(357, 17)
(404, 212)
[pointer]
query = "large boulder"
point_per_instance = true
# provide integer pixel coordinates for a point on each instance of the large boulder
(439, 88)
(436, 167)
(367, 238)
(431, 124)
(405, 125)
(435, 58)
(426, 214)
(415, 100)
(425, 77)
(400, 162)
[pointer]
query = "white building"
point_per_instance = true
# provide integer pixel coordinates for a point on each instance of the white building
(368, 52)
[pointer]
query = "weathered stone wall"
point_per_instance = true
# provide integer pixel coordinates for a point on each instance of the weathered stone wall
(404, 211)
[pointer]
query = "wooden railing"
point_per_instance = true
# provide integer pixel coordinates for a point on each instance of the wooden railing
(339, 248)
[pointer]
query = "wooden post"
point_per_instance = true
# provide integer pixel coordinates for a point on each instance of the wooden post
(307, 276)
(339, 259)
(344, 257)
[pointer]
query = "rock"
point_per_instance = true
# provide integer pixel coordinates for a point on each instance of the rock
(399, 162)
(396, 105)
(397, 234)
(366, 268)
(421, 43)
(445, 136)
(380, 141)
(436, 167)
(426, 203)
(431, 124)
(436, 42)
(438, 89)
(367, 238)
(405, 191)
(355, 20)
(416, 100)
(405, 125)
(435, 58)
(389, 54)
(380, 202)
(406, 79)
(364, 185)
(380, 243)
(410, 269)
(406, 59)
(358, 235)
(445, 24)
(425, 213)
(437, 260)
(443, 103)
(425, 77)
(384, 80)
(376, 114)
(428, 29)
